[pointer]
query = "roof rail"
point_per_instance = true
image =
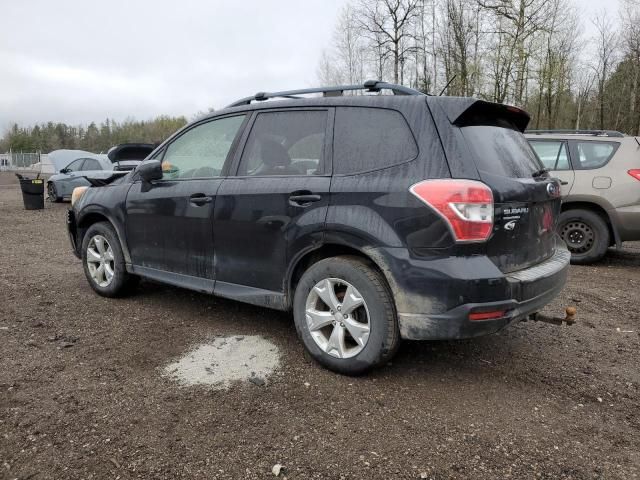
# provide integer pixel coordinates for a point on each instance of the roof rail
(595, 133)
(368, 86)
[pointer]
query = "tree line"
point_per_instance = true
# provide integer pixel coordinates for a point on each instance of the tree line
(46, 137)
(530, 53)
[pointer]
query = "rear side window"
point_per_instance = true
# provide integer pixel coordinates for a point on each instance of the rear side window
(91, 164)
(285, 143)
(552, 154)
(369, 139)
(594, 154)
(501, 149)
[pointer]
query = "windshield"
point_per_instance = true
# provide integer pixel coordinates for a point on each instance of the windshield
(501, 150)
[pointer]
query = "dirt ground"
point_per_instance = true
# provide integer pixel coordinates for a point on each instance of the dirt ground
(82, 393)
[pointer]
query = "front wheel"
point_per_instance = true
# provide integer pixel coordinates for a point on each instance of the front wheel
(586, 235)
(345, 315)
(103, 261)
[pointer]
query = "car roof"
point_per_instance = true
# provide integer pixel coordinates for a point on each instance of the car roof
(452, 106)
(347, 100)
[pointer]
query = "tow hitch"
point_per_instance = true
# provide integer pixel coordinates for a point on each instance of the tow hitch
(569, 319)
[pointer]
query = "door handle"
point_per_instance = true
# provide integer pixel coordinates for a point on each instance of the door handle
(303, 199)
(199, 199)
(562, 182)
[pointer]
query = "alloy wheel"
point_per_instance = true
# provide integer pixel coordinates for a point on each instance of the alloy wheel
(100, 261)
(337, 318)
(51, 191)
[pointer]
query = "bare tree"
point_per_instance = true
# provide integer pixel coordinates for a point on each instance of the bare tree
(349, 46)
(606, 43)
(557, 58)
(526, 52)
(630, 20)
(326, 72)
(516, 22)
(388, 25)
(460, 41)
(584, 85)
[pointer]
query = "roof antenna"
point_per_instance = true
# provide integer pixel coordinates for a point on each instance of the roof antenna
(447, 85)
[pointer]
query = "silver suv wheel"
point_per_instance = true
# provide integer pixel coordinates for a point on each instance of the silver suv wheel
(578, 236)
(337, 318)
(100, 261)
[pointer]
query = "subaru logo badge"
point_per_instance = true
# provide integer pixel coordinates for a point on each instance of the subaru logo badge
(510, 225)
(552, 189)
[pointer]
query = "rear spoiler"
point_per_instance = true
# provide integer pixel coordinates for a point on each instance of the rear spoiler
(98, 181)
(466, 111)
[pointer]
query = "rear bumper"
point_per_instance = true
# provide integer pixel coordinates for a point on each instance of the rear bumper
(627, 222)
(72, 229)
(431, 316)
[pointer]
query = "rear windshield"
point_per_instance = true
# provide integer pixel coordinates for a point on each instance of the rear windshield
(501, 149)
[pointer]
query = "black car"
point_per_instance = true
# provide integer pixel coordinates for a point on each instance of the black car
(127, 156)
(372, 217)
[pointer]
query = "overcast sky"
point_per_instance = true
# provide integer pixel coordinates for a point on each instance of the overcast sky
(75, 61)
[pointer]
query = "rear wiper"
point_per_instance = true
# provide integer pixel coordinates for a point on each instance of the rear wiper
(539, 173)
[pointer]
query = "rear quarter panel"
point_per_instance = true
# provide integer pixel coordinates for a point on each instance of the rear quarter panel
(376, 208)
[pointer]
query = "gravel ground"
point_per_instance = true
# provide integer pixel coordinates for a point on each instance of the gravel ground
(83, 392)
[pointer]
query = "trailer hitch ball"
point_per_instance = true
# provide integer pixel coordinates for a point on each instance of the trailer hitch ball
(569, 319)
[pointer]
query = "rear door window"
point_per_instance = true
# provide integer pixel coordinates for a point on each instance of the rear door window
(594, 154)
(90, 164)
(285, 143)
(501, 149)
(553, 154)
(368, 139)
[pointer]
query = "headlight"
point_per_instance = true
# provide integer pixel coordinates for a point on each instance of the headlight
(77, 194)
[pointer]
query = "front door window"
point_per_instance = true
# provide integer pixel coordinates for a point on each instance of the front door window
(201, 151)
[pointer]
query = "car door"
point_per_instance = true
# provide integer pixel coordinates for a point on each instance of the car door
(554, 155)
(169, 222)
(590, 159)
(91, 165)
(275, 205)
(71, 178)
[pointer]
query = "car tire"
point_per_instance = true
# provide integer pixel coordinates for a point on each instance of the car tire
(370, 315)
(586, 235)
(52, 193)
(103, 261)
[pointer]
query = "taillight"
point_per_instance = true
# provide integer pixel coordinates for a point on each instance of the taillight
(635, 173)
(466, 205)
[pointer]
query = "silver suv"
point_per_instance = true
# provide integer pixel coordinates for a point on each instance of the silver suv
(600, 176)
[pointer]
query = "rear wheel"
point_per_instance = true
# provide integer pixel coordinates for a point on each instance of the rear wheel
(345, 315)
(103, 261)
(52, 193)
(586, 235)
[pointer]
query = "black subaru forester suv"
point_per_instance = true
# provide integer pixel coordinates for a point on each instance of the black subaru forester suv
(373, 217)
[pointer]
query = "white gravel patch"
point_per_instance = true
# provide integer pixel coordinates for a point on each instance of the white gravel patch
(225, 360)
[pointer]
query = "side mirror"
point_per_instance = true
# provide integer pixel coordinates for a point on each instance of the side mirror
(150, 170)
(64, 170)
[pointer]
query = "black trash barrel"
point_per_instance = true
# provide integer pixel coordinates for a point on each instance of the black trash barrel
(32, 193)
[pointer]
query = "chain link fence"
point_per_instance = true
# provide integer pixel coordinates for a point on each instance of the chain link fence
(20, 161)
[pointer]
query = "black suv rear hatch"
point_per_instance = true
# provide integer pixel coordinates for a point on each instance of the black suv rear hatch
(526, 200)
